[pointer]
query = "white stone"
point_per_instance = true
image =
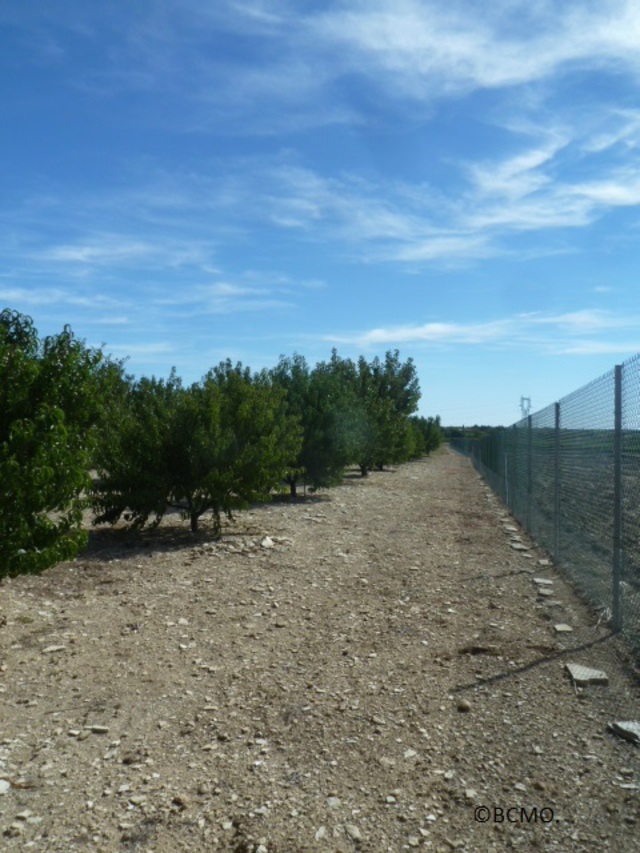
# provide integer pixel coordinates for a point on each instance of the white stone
(353, 832)
(629, 730)
(582, 675)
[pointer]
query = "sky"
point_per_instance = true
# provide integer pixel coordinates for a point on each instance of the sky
(186, 181)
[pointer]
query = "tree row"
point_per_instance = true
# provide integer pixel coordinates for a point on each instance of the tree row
(231, 439)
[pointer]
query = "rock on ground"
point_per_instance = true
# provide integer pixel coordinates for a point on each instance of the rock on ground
(368, 669)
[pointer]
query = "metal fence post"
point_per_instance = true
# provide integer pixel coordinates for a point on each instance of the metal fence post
(616, 609)
(529, 469)
(556, 484)
(513, 477)
(506, 469)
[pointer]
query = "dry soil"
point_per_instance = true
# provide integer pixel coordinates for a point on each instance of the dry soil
(369, 669)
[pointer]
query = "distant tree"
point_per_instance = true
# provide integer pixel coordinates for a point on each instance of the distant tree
(52, 395)
(427, 435)
(386, 394)
(216, 446)
(318, 400)
(133, 458)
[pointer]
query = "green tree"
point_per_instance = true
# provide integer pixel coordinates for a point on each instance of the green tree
(426, 435)
(318, 400)
(386, 393)
(217, 446)
(133, 457)
(52, 393)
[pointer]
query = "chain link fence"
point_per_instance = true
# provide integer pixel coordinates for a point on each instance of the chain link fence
(571, 475)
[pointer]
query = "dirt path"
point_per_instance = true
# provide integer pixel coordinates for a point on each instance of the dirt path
(362, 679)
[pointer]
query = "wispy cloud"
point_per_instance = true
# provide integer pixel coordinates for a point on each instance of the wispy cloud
(292, 66)
(415, 50)
(430, 49)
(577, 332)
(497, 199)
(112, 252)
(118, 250)
(179, 222)
(224, 297)
(145, 353)
(620, 129)
(625, 348)
(54, 296)
(586, 321)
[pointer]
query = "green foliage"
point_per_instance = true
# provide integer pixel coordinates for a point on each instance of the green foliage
(427, 435)
(51, 395)
(133, 457)
(384, 394)
(216, 446)
(319, 401)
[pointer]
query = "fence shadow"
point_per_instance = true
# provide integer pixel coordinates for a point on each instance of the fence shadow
(549, 658)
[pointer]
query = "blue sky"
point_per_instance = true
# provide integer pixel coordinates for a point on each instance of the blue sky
(191, 180)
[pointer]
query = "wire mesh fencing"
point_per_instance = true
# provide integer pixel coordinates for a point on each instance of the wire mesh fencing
(570, 474)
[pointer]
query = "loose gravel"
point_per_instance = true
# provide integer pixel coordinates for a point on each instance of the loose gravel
(377, 668)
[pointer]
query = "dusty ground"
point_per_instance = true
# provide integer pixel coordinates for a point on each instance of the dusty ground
(362, 680)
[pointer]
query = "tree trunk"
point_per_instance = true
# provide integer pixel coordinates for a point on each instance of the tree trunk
(364, 471)
(194, 522)
(293, 491)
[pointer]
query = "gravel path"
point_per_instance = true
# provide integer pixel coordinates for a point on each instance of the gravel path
(370, 669)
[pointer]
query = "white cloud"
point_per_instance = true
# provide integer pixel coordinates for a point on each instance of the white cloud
(531, 184)
(141, 352)
(619, 127)
(224, 297)
(437, 333)
(624, 349)
(581, 322)
(225, 289)
(294, 57)
(116, 250)
(432, 49)
(622, 189)
(519, 175)
(23, 296)
(111, 252)
(557, 334)
(446, 248)
(108, 320)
